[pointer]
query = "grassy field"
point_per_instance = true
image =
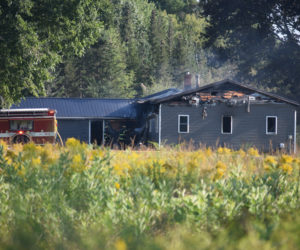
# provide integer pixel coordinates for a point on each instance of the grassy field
(77, 197)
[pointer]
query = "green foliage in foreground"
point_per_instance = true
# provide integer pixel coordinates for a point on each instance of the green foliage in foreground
(52, 201)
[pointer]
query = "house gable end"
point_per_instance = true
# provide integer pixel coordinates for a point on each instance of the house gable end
(225, 89)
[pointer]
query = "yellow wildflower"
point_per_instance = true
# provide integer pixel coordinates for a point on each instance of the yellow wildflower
(192, 164)
(208, 152)
(253, 152)
(4, 145)
(29, 147)
(77, 163)
(241, 152)
(219, 174)
(297, 161)
(48, 156)
(162, 169)
(21, 171)
(267, 167)
(17, 148)
(120, 245)
(221, 165)
(223, 150)
(72, 142)
(221, 168)
(286, 159)
(35, 162)
(270, 160)
(117, 185)
(8, 160)
(287, 168)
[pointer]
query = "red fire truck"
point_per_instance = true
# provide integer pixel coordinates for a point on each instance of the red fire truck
(28, 125)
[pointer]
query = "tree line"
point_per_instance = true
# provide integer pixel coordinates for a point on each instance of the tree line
(129, 48)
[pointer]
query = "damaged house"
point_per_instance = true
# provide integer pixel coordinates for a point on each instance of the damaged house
(223, 113)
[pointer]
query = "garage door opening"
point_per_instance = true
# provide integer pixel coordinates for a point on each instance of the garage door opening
(97, 132)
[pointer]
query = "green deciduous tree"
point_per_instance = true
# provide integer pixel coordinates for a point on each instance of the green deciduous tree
(36, 35)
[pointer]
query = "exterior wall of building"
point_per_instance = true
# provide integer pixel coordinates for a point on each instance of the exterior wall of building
(248, 128)
(78, 129)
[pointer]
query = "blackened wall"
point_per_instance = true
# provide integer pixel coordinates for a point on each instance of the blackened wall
(78, 129)
(248, 128)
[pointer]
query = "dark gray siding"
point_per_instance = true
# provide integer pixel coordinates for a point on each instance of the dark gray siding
(249, 129)
(78, 129)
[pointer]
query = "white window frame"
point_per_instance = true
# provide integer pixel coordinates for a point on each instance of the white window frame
(188, 124)
(231, 123)
(271, 133)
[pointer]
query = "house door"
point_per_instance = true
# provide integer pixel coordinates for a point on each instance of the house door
(96, 132)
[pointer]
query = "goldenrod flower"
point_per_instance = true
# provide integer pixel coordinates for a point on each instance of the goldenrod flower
(270, 160)
(286, 159)
(253, 152)
(208, 152)
(241, 152)
(72, 142)
(267, 167)
(221, 165)
(287, 168)
(117, 185)
(223, 150)
(8, 160)
(120, 245)
(21, 171)
(4, 145)
(78, 163)
(221, 168)
(35, 162)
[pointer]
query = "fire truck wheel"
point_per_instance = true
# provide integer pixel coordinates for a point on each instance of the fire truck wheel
(21, 139)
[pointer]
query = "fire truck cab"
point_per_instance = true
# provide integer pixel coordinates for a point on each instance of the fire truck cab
(28, 125)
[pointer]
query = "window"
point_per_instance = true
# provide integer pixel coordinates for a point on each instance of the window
(183, 124)
(271, 125)
(227, 124)
(21, 125)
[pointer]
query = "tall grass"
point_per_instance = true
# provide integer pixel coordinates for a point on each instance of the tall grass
(80, 197)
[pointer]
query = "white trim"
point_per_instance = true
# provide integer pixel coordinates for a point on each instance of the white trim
(3, 135)
(32, 134)
(90, 132)
(271, 133)
(295, 132)
(26, 117)
(41, 134)
(188, 124)
(231, 125)
(25, 110)
(159, 126)
(103, 132)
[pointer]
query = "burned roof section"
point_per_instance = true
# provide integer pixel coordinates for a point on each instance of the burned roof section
(159, 95)
(226, 90)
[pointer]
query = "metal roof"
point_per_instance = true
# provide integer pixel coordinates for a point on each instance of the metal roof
(84, 108)
(217, 85)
